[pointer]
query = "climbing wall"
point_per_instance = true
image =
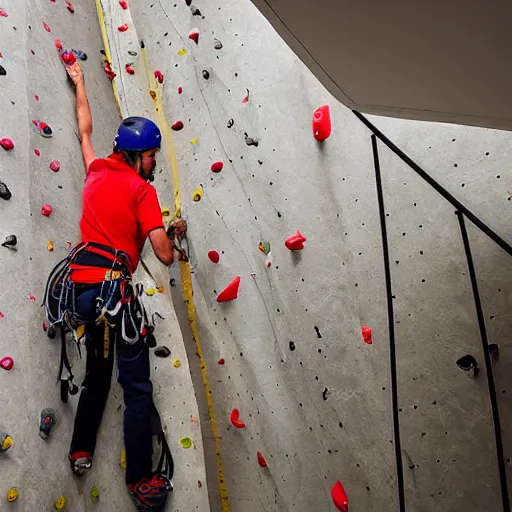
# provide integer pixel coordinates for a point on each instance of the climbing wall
(34, 87)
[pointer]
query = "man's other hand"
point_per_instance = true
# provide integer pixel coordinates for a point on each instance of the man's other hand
(177, 228)
(75, 73)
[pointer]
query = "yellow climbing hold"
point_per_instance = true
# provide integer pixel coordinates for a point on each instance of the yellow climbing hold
(151, 291)
(122, 462)
(95, 494)
(49, 245)
(161, 289)
(177, 363)
(194, 141)
(6, 443)
(186, 442)
(183, 51)
(12, 494)
(166, 212)
(197, 195)
(60, 503)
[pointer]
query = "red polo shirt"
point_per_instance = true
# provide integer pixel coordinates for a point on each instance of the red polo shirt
(119, 208)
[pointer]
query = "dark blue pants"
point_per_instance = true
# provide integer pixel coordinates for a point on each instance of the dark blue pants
(134, 378)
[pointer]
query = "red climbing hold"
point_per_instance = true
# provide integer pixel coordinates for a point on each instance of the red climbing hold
(55, 166)
(7, 144)
(261, 460)
(123, 4)
(58, 45)
(129, 69)
(69, 7)
(46, 27)
(235, 419)
(214, 256)
(159, 76)
(3, 14)
(180, 89)
(37, 152)
(123, 28)
(217, 166)
(221, 361)
(177, 126)
(230, 292)
(322, 123)
(194, 35)
(46, 210)
(36, 97)
(339, 497)
(246, 99)
(1, 315)
(295, 242)
(7, 363)
(366, 332)
(108, 70)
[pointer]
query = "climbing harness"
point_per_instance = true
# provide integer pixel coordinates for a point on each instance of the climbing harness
(116, 302)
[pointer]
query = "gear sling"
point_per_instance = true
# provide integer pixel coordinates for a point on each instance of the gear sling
(114, 301)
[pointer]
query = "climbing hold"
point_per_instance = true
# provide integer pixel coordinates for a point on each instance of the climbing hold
(36, 97)
(186, 442)
(251, 141)
(7, 144)
(217, 45)
(5, 441)
(234, 417)
(230, 292)
(69, 7)
(80, 491)
(151, 291)
(246, 98)
(194, 141)
(129, 69)
(37, 152)
(5, 193)
(47, 421)
(469, 365)
(183, 51)
(123, 28)
(176, 363)
(206, 74)
(198, 194)
(46, 210)
(322, 123)
(80, 54)
(339, 497)
(199, 484)
(160, 289)
(7, 363)
(195, 11)
(221, 361)
(166, 212)
(10, 242)
(123, 4)
(68, 58)
(43, 128)
(292, 346)
(261, 460)
(46, 27)
(3, 13)
(159, 76)
(122, 460)
(152, 93)
(3, 72)
(295, 242)
(180, 89)
(217, 166)
(68, 246)
(214, 256)
(194, 35)
(264, 247)
(52, 332)
(494, 351)
(366, 333)
(50, 246)
(55, 166)
(12, 494)
(177, 126)
(31, 298)
(95, 494)
(253, 275)
(162, 351)
(230, 124)
(60, 503)
(108, 70)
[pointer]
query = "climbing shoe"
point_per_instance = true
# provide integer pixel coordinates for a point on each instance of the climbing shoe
(150, 494)
(81, 462)
(48, 419)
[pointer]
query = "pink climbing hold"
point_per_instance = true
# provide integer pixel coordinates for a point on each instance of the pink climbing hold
(217, 166)
(214, 256)
(261, 460)
(177, 126)
(46, 210)
(295, 242)
(339, 497)
(123, 4)
(159, 76)
(55, 166)
(1, 315)
(37, 152)
(366, 333)
(322, 123)
(31, 298)
(123, 28)
(194, 35)
(129, 69)
(180, 89)
(7, 144)
(234, 417)
(46, 27)
(36, 97)
(7, 363)
(246, 98)
(69, 7)
(230, 292)
(58, 45)
(3, 14)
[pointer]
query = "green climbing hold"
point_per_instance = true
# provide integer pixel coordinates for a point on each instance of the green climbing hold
(264, 247)
(186, 442)
(95, 494)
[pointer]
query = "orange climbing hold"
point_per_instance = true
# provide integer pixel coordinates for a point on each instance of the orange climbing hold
(261, 460)
(366, 332)
(46, 27)
(339, 497)
(214, 256)
(235, 419)
(46, 210)
(7, 144)
(123, 28)
(230, 292)
(295, 242)
(194, 35)
(123, 4)
(7, 363)
(159, 76)
(322, 123)
(177, 126)
(217, 166)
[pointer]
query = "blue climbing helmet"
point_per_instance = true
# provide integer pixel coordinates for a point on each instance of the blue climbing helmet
(137, 134)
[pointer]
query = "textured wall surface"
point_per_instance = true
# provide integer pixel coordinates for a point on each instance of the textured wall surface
(315, 398)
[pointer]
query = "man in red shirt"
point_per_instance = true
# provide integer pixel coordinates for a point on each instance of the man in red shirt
(120, 210)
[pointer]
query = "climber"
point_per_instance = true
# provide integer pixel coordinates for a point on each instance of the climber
(120, 210)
